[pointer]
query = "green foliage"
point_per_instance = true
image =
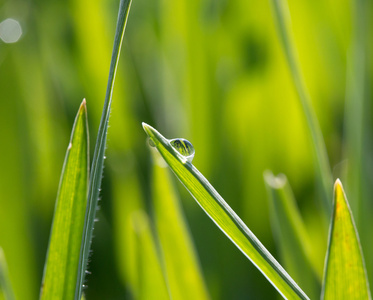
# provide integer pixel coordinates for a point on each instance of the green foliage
(321, 157)
(99, 154)
(6, 291)
(149, 282)
(345, 274)
(62, 263)
(224, 217)
(181, 265)
(212, 71)
(291, 236)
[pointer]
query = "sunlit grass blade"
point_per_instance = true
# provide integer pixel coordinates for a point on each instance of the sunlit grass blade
(98, 157)
(291, 235)
(6, 291)
(149, 280)
(345, 275)
(183, 273)
(319, 149)
(61, 267)
(138, 261)
(357, 129)
(225, 218)
(127, 199)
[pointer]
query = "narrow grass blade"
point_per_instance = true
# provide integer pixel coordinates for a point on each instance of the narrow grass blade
(127, 199)
(225, 218)
(345, 275)
(138, 261)
(291, 235)
(321, 157)
(183, 273)
(6, 291)
(150, 282)
(358, 129)
(61, 267)
(98, 157)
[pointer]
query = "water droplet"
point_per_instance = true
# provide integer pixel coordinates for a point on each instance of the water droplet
(184, 147)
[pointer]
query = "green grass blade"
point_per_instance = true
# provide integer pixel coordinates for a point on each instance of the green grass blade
(345, 275)
(225, 218)
(6, 291)
(61, 267)
(150, 282)
(184, 276)
(321, 157)
(291, 234)
(137, 259)
(358, 129)
(98, 158)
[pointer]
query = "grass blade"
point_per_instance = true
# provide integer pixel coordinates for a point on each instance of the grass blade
(290, 231)
(358, 129)
(137, 257)
(6, 291)
(184, 275)
(225, 218)
(321, 157)
(345, 275)
(150, 282)
(61, 268)
(98, 157)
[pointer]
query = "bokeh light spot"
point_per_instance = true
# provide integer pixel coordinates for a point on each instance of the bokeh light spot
(10, 31)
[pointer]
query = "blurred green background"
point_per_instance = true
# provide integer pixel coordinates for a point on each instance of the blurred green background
(210, 71)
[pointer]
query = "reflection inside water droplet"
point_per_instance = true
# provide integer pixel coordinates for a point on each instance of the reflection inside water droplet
(184, 147)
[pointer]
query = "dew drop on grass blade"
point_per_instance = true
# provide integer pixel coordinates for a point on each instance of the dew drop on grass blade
(224, 217)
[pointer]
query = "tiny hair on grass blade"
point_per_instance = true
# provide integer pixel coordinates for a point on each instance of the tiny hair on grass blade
(225, 218)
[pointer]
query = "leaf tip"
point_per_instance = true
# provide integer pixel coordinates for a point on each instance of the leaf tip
(83, 106)
(152, 132)
(147, 128)
(338, 188)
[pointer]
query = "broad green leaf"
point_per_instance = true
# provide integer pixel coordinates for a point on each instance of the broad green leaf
(99, 154)
(6, 291)
(324, 174)
(291, 235)
(345, 275)
(225, 218)
(61, 268)
(183, 273)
